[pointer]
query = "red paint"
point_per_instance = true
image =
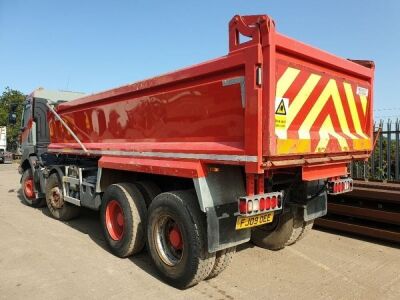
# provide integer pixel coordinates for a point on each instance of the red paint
(115, 222)
(188, 169)
(262, 203)
(268, 203)
(260, 184)
(175, 238)
(274, 202)
(243, 206)
(250, 185)
(29, 188)
(323, 171)
(192, 111)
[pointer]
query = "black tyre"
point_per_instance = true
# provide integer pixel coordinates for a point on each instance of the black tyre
(59, 209)
(223, 259)
(177, 239)
(149, 190)
(274, 236)
(289, 229)
(300, 229)
(28, 190)
(123, 218)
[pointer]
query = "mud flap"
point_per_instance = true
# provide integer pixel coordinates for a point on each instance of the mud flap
(316, 207)
(218, 195)
(221, 221)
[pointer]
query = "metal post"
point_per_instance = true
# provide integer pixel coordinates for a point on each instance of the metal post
(380, 151)
(396, 151)
(389, 150)
(372, 158)
(365, 173)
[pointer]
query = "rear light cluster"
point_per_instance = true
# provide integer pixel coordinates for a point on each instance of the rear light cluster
(260, 203)
(340, 186)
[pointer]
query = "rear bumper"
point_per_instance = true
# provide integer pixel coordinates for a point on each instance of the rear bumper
(291, 161)
(310, 173)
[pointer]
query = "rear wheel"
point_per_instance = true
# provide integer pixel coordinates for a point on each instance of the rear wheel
(289, 228)
(300, 229)
(28, 190)
(274, 236)
(123, 217)
(60, 209)
(149, 190)
(223, 259)
(177, 239)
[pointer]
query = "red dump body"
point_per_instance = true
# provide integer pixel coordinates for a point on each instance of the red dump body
(272, 102)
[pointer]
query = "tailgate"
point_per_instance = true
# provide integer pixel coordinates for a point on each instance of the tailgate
(323, 103)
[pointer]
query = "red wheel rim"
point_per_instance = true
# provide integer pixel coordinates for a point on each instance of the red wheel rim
(175, 237)
(115, 220)
(28, 188)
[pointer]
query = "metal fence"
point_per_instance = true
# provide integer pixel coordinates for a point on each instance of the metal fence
(385, 159)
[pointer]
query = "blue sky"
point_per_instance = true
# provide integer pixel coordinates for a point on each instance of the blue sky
(90, 46)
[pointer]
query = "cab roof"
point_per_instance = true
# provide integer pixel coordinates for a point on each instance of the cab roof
(56, 96)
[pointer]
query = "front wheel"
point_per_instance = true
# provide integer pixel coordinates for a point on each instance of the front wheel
(28, 190)
(177, 239)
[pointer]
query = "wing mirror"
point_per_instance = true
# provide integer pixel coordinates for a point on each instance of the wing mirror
(12, 115)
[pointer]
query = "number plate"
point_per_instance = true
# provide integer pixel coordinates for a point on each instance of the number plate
(246, 222)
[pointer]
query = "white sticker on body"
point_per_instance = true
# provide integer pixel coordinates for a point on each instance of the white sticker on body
(361, 91)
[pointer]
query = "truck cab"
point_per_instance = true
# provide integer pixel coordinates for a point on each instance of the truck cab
(35, 137)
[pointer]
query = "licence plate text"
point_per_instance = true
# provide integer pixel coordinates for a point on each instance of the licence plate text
(247, 222)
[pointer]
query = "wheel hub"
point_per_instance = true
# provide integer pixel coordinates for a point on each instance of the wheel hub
(28, 188)
(168, 240)
(175, 237)
(115, 222)
(56, 198)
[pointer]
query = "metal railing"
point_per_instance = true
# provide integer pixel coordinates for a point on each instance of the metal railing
(384, 163)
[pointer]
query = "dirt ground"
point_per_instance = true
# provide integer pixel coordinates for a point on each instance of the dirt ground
(41, 258)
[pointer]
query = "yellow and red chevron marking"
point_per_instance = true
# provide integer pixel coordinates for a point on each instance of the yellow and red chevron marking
(324, 113)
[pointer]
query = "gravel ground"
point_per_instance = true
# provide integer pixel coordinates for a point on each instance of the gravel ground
(41, 258)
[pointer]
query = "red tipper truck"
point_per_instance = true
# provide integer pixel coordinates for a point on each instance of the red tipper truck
(195, 162)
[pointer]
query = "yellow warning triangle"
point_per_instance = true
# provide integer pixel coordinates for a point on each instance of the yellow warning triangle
(281, 110)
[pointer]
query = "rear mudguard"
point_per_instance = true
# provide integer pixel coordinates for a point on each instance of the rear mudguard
(218, 194)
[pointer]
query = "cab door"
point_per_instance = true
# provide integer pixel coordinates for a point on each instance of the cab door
(28, 132)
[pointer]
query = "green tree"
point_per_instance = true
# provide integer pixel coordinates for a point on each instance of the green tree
(9, 97)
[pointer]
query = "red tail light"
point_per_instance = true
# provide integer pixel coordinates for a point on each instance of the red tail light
(257, 204)
(342, 185)
(242, 206)
(268, 203)
(335, 188)
(262, 203)
(273, 202)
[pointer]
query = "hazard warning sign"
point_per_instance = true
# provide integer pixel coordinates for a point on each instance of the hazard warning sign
(281, 108)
